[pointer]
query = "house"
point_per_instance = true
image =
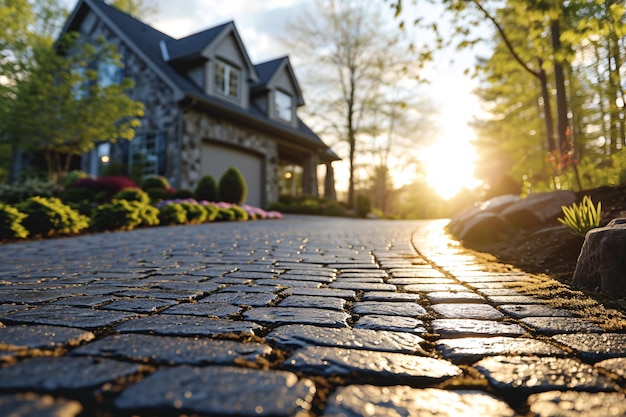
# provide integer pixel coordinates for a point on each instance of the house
(207, 107)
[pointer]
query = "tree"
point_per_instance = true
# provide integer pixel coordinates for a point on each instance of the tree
(354, 63)
(143, 9)
(61, 109)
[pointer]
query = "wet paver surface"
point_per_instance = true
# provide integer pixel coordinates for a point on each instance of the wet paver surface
(306, 316)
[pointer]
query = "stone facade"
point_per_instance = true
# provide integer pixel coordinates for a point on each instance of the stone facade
(201, 127)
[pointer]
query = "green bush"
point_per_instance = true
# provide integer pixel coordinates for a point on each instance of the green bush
(196, 213)
(332, 208)
(240, 213)
(155, 181)
(207, 189)
(18, 192)
(117, 215)
(232, 187)
(212, 212)
(158, 194)
(73, 176)
(11, 223)
(48, 216)
(133, 194)
(183, 194)
(225, 215)
(172, 213)
(148, 214)
(363, 205)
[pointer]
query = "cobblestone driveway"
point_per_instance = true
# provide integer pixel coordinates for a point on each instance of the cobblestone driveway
(308, 316)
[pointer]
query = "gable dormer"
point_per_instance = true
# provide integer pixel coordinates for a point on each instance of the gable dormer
(217, 61)
(278, 93)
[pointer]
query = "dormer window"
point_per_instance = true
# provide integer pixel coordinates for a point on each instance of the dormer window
(283, 104)
(227, 80)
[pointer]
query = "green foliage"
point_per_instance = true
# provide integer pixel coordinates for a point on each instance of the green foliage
(49, 216)
(212, 212)
(117, 215)
(240, 213)
(363, 205)
(61, 110)
(133, 194)
(196, 213)
(73, 176)
(155, 182)
(18, 192)
(11, 223)
(158, 194)
(225, 215)
(232, 187)
(148, 214)
(172, 213)
(183, 194)
(580, 218)
(207, 189)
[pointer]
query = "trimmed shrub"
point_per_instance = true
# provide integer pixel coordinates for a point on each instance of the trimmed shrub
(101, 189)
(158, 194)
(212, 212)
(196, 213)
(117, 215)
(232, 187)
(73, 176)
(225, 215)
(155, 181)
(133, 194)
(173, 213)
(148, 214)
(183, 194)
(18, 192)
(11, 223)
(240, 213)
(48, 216)
(363, 205)
(207, 189)
(333, 208)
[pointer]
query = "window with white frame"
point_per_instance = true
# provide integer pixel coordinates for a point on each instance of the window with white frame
(226, 80)
(147, 153)
(283, 105)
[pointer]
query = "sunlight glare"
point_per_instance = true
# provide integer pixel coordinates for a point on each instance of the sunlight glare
(449, 166)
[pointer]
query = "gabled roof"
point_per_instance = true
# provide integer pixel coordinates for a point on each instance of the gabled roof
(158, 50)
(268, 71)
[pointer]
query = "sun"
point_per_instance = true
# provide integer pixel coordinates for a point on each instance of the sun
(449, 165)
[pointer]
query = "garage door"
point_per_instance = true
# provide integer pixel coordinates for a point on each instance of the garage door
(217, 159)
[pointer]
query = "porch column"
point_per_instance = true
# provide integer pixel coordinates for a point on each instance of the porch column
(309, 176)
(329, 183)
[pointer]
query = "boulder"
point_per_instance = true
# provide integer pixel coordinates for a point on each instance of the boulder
(493, 205)
(485, 227)
(602, 261)
(539, 208)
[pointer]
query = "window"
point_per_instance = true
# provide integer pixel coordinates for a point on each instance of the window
(283, 105)
(109, 74)
(146, 154)
(226, 80)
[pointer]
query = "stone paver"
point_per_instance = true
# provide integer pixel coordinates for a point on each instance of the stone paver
(368, 400)
(254, 318)
(220, 391)
(578, 404)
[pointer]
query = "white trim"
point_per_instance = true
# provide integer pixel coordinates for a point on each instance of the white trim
(164, 52)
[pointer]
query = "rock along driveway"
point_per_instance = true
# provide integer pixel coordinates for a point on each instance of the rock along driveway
(308, 316)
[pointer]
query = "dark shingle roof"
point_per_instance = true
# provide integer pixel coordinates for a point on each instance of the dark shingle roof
(148, 41)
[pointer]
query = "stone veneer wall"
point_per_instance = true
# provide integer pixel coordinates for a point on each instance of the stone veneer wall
(200, 126)
(162, 112)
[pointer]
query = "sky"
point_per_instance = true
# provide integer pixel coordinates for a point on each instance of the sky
(261, 23)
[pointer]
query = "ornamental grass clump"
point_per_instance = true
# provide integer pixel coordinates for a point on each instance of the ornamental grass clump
(581, 218)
